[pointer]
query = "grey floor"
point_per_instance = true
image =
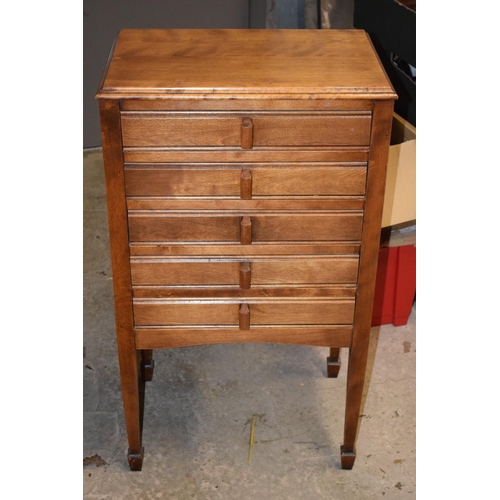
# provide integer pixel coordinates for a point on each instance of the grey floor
(201, 401)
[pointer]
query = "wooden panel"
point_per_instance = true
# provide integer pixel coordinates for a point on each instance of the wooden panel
(327, 130)
(151, 226)
(214, 312)
(176, 155)
(266, 180)
(182, 180)
(313, 313)
(182, 249)
(262, 271)
(244, 61)
(309, 181)
(331, 270)
(118, 235)
(233, 292)
(307, 227)
(382, 115)
(211, 103)
(184, 272)
(278, 204)
(162, 129)
(158, 338)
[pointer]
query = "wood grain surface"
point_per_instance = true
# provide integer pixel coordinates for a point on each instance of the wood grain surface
(214, 129)
(226, 227)
(192, 180)
(150, 312)
(153, 62)
(160, 337)
(367, 273)
(122, 287)
(245, 175)
(263, 271)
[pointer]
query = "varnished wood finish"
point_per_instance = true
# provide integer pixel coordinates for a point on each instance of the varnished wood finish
(244, 317)
(122, 286)
(305, 248)
(232, 227)
(245, 230)
(246, 133)
(265, 271)
(263, 62)
(317, 311)
(255, 291)
(190, 180)
(245, 276)
(245, 102)
(135, 459)
(274, 204)
(358, 353)
(296, 129)
(228, 155)
(245, 184)
(318, 335)
(333, 362)
(245, 199)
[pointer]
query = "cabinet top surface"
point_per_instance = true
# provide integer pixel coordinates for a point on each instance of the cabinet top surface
(154, 62)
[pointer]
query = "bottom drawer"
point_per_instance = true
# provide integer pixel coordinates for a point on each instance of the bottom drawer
(166, 337)
(243, 314)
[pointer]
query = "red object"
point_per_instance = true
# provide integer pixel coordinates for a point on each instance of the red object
(396, 285)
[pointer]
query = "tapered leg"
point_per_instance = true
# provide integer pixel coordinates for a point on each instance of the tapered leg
(132, 381)
(333, 362)
(358, 352)
(147, 364)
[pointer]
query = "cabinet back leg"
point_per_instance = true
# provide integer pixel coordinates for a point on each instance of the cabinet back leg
(333, 362)
(147, 364)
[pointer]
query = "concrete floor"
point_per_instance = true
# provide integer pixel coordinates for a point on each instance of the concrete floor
(201, 400)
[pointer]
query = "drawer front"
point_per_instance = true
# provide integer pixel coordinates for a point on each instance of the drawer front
(158, 337)
(147, 226)
(223, 130)
(244, 273)
(175, 313)
(247, 181)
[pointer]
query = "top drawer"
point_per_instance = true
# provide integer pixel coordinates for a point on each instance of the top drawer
(142, 129)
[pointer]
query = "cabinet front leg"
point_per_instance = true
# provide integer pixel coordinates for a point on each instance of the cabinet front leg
(132, 380)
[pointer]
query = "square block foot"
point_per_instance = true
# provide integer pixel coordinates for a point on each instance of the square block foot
(332, 367)
(147, 370)
(347, 458)
(135, 459)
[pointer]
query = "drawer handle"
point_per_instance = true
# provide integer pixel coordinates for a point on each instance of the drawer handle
(246, 133)
(244, 317)
(245, 275)
(246, 185)
(246, 231)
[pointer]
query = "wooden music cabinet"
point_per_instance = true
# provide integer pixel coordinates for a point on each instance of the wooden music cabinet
(245, 176)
